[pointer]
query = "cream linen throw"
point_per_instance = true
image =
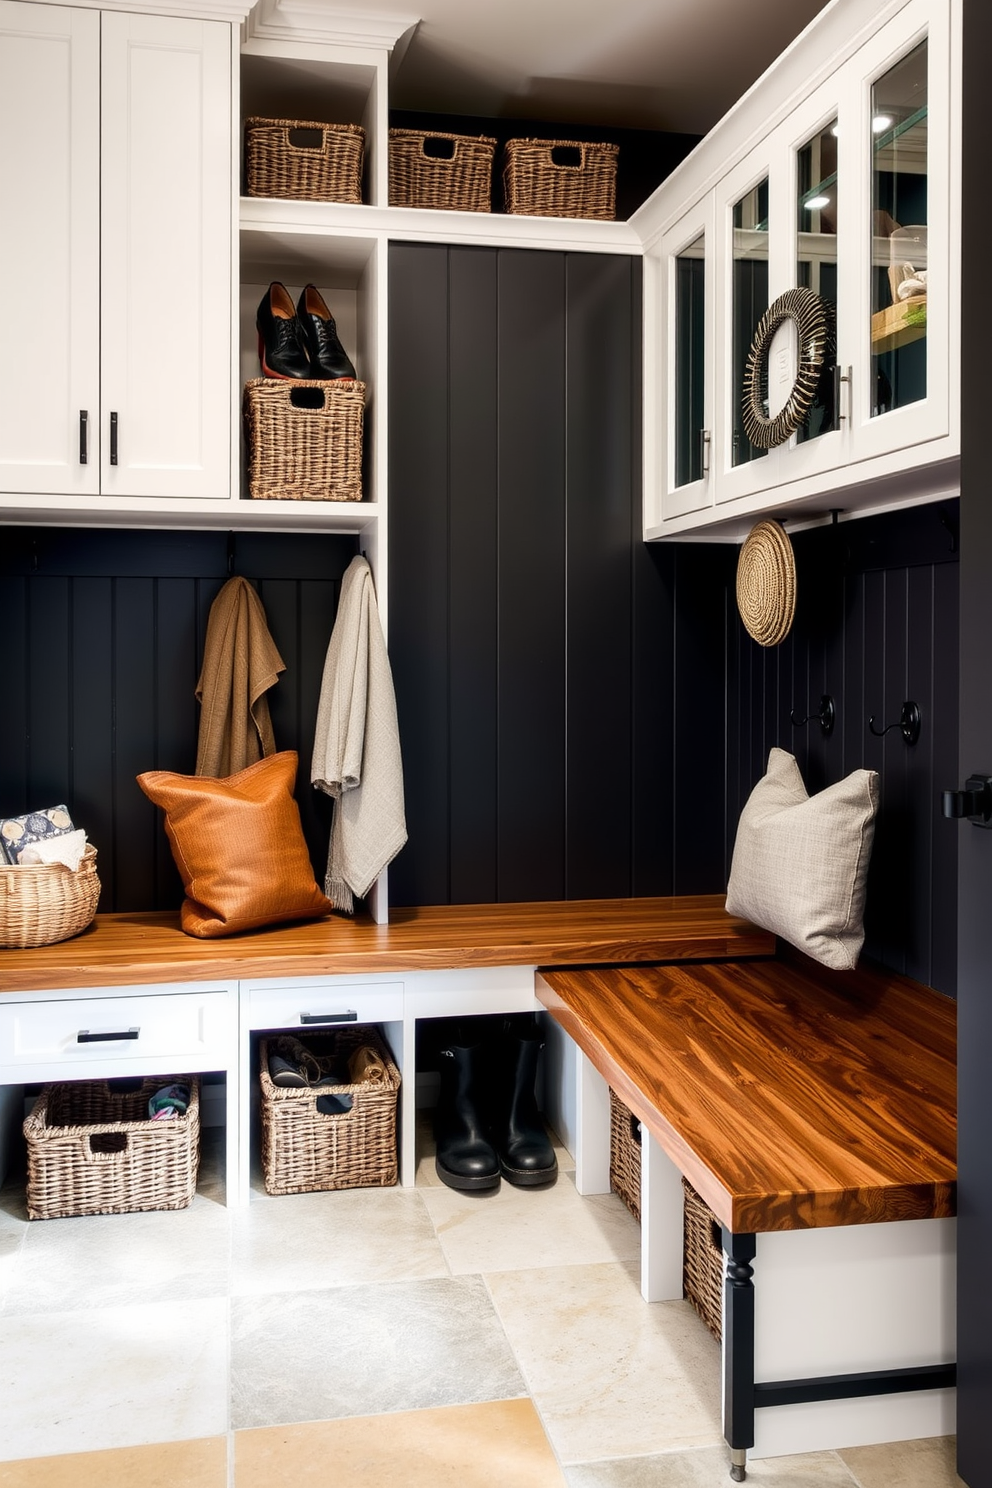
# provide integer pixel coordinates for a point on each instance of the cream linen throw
(356, 753)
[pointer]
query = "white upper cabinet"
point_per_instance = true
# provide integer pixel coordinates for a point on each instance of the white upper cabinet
(838, 174)
(118, 218)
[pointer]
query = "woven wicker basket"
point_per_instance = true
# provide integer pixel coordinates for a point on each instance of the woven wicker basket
(92, 1149)
(555, 178)
(324, 168)
(702, 1259)
(304, 453)
(304, 1151)
(625, 1155)
(41, 903)
(449, 171)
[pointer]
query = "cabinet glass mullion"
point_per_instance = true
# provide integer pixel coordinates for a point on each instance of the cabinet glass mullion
(817, 196)
(690, 361)
(750, 301)
(899, 217)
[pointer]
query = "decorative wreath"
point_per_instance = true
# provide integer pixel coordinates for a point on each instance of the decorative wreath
(766, 583)
(811, 315)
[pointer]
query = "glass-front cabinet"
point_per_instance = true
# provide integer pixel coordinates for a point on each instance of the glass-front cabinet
(809, 294)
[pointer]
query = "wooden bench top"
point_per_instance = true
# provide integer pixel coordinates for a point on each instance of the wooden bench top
(129, 949)
(791, 1097)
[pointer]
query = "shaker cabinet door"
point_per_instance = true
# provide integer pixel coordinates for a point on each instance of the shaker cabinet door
(49, 246)
(166, 262)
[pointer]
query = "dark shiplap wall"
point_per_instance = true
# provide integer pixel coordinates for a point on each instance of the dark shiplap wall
(102, 645)
(876, 624)
(537, 644)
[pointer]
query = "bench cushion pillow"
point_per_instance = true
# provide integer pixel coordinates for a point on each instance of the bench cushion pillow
(239, 847)
(800, 862)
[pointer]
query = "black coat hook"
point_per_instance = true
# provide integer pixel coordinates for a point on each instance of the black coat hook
(826, 717)
(909, 723)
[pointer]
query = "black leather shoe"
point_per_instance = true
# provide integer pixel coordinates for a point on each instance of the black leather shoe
(465, 1158)
(328, 358)
(282, 350)
(526, 1156)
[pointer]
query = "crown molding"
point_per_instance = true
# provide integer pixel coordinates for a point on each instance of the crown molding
(312, 20)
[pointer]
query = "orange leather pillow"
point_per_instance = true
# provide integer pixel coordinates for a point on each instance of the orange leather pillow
(239, 846)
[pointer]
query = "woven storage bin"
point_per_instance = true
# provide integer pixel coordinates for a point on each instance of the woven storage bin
(301, 453)
(41, 903)
(92, 1149)
(555, 178)
(625, 1155)
(324, 169)
(702, 1259)
(304, 1151)
(461, 182)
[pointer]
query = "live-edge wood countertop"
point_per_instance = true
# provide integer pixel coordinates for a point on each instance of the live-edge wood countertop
(131, 949)
(791, 1097)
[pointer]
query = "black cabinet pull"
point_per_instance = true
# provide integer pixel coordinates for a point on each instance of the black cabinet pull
(84, 433)
(113, 439)
(85, 1037)
(349, 1016)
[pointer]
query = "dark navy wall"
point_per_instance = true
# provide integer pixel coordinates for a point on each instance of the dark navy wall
(102, 645)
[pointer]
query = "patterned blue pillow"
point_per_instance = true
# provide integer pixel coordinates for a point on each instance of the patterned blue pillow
(16, 832)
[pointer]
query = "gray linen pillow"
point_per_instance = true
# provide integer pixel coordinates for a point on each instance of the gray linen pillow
(801, 862)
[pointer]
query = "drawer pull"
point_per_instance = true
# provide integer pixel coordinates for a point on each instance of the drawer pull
(85, 1037)
(348, 1016)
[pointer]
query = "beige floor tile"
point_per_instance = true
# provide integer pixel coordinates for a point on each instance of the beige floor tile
(499, 1444)
(707, 1467)
(517, 1228)
(192, 1464)
(354, 1351)
(928, 1463)
(610, 1375)
(112, 1377)
(334, 1239)
(109, 1260)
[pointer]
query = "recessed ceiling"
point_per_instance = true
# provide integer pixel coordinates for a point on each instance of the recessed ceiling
(648, 64)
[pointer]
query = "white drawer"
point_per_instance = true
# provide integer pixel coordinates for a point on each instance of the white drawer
(325, 1004)
(193, 1028)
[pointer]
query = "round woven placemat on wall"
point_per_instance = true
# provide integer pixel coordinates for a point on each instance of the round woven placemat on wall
(766, 583)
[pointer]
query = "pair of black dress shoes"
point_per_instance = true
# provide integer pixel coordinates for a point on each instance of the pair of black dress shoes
(300, 340)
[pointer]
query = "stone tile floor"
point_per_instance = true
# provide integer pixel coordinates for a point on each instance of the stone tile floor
(383, 1338)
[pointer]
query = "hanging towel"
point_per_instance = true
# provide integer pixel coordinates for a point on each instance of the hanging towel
(356, 752)
(240, 664)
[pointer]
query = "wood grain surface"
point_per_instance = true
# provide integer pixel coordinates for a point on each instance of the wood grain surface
(129, 949)
(791, 1097)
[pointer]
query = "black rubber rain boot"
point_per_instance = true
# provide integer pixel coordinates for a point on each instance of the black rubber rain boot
(465, 1158)
(526, 1156)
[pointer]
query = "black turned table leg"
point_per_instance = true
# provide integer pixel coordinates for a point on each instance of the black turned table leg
(738, 1350)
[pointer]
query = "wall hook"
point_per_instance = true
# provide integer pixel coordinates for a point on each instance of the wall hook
(826, 717)
(909, 723)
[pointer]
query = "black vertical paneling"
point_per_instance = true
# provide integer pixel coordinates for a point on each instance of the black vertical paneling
(418, 577)
(875, 625)
(599, 538)
(653, 683)
(473, 548)
(105, 647)
(530, 762)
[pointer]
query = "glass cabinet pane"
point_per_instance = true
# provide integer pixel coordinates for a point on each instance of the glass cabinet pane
(750, 301)
(899, 234)
(816, 255)
(690, 286)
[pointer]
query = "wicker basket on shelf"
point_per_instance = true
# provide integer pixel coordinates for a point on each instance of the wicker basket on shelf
(306, 1151)
(304, 439)
(41, 903)
(297, 160)
(557, 178)
(92, 1149)
(452, 172)
(625, 1155)
(702, 1259)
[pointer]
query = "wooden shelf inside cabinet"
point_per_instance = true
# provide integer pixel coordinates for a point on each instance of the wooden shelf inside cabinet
(889, 330)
